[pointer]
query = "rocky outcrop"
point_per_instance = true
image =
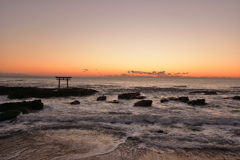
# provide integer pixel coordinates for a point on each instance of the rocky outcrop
(197, 102)
(163, 100)
(13, 109)
(22, 106)
(236, 98)
(204, 92)
(143, 103)
(9, 115)
(102, 98)
(75, 102)
(28, 92)
(134, 95)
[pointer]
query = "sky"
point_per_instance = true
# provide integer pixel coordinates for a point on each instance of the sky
(160, 38)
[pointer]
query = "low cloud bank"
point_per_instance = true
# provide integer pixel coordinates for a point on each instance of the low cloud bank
(155, 74)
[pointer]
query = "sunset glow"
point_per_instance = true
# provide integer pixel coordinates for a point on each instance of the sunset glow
(113, 38)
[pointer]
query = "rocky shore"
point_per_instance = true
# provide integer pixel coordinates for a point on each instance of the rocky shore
(32, 92)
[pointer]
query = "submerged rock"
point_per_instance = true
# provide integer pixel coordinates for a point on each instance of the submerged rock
(143, 103)
(22, 106)
(75, 102)
(236, 98)
(163, 100)
(101, 98)
(114, 101)
(181, 99)
(134, 95)
(27, 92)
(9, 115)
(204, 92)
(197, 102)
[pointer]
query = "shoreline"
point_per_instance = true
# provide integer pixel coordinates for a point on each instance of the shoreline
(91, 144)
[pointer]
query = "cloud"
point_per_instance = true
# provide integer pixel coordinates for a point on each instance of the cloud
(155, 74)
(85, 70)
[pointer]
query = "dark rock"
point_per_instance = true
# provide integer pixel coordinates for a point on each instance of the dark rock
(163, 100)
(24, 110)
(114, 101)
(22, 106)
(160, 131)
(148, 122)
(134, 139)
(27, 92)
(197, 102)
(135, 95)
(101, 98)
(143, 103)
(236, 98)
(9, 115)
(172, 98)
(204, 92)
(183, 99)
(128, 123)
(75, 102)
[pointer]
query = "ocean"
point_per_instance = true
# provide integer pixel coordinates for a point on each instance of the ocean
(173, 124)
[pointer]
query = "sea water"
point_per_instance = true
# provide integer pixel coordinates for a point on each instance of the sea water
(171, 125)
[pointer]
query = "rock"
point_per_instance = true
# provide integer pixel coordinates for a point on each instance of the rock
(75, 102)
(114, 101)
(101, 98)
(134, 95)
(22, 106)
(9, 115)
(236, 98)
(143, 103)
(133, 138)
(24, 110)
(163, 100)
(27, 92)
(197, 102)
(204, 92)
(183, 99)
(172, 98)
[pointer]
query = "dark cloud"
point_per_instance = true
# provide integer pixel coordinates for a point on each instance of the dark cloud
(155, 73)
(85, 70)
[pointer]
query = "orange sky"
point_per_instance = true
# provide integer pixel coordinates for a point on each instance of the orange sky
(103, 37)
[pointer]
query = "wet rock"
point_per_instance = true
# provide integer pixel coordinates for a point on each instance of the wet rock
(159, 131)
(172, 98)
(236, 98)
(163, 100)
(131, 138)
(197, 102)
(27, 92)
(143, 103)
(181, 99)
(75, 102)
(135, 95)
(102, 98)
(204, 92)
(9, 115)
(22, 106)
(114, 101)
(148, 122)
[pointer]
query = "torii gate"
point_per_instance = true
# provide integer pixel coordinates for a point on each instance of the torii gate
(62, 78)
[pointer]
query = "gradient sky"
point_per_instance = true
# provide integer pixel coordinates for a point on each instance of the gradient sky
(112, 37)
